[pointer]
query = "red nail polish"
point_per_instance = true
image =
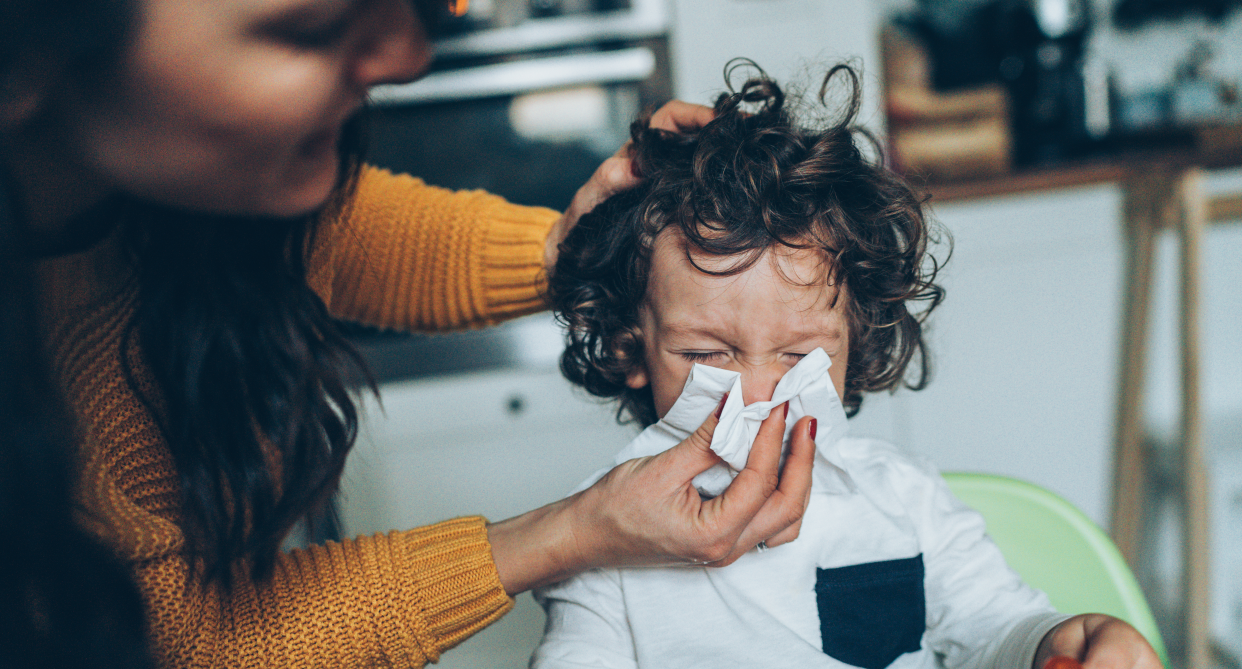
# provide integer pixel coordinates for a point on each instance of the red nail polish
(720, 407)
(787, 410)
(814, 426)
(1062, 662)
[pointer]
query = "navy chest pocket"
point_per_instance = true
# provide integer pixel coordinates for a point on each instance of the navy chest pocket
(870, 614)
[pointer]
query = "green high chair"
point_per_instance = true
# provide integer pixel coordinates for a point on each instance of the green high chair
(1056, 548)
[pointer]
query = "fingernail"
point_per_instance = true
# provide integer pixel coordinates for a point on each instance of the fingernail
(787, 409)
(814, 426)
(720, 407)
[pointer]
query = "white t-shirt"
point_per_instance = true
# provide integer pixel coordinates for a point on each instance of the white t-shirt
(889, 570)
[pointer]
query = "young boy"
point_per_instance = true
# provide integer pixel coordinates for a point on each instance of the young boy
(765, 266)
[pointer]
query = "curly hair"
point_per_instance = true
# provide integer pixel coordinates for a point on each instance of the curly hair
(751, 179)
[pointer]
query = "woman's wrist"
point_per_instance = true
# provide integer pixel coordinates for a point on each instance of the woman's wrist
(538, 547)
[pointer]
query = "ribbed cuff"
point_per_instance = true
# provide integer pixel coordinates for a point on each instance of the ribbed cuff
(512, 274)
(455, 576)
(1017, 651)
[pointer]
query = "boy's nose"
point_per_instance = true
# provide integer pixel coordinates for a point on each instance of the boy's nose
(759, 383)
(396, 49)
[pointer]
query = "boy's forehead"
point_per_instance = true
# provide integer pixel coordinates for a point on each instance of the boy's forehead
(682, 278)
(673, 254)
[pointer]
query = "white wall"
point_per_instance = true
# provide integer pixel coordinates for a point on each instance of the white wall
(1024, 345)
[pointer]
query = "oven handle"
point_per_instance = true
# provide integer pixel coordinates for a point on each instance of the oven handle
(525, 76)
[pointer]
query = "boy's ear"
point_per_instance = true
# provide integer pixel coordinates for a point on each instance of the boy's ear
(637, 377)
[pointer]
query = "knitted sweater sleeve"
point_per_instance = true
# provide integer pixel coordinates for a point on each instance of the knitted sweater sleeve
(394, 600)
(408, 256)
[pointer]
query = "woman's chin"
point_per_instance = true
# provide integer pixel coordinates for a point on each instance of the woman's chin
(305, 195)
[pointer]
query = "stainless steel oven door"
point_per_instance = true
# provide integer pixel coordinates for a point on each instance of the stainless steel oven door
(531, 129)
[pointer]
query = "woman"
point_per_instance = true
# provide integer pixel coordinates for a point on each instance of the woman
(193, 200)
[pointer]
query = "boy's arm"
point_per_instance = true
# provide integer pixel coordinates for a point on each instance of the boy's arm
(587, 625)
(979, 611)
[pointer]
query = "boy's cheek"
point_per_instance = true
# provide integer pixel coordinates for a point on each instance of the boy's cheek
(667, 378)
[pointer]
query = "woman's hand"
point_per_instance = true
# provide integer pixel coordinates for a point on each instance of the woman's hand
(647, 512)
(1097, 641)
(617, 174)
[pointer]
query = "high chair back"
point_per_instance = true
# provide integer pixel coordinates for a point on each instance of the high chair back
(1056, 548)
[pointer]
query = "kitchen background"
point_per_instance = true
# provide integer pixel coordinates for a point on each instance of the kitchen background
(528, 96)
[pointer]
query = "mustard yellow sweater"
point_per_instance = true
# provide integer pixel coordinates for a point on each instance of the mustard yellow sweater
(406, 256)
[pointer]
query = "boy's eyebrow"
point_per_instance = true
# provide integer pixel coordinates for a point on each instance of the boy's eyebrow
(690, 329)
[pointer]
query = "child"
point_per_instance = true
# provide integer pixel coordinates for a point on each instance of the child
(774, 263)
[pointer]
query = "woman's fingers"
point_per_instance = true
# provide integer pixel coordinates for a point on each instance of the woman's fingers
(647, 510)
(729, 514)
(679, 116)
(779, 518)
(616, 173)
(795, 485)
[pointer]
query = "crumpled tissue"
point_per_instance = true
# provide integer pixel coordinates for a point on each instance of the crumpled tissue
(806, 387)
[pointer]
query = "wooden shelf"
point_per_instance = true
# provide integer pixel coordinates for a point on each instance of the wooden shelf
(1210, 148)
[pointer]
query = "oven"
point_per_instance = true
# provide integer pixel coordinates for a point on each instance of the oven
(526, 97)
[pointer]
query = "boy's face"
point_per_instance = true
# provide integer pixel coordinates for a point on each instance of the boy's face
(759, 322)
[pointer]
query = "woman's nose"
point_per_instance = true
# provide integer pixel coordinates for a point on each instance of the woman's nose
(396, 49)
(759, 383)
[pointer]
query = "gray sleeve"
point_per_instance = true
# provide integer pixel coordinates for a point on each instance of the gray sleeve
(1017, 649)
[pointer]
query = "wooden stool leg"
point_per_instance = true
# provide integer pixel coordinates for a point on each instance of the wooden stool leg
(1142, 210)
(1196, 552)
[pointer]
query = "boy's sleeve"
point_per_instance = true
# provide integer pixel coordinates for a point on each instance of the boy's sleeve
(979, 611)
(404, 255)
(586, 626)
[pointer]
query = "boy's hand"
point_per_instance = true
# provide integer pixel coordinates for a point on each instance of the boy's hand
(1097, 641)
(617, 173)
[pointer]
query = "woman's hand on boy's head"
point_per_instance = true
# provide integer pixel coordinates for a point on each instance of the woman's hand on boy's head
(1098, 641)
(617, 172)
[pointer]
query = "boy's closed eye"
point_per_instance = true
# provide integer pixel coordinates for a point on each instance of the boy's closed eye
(709, 357)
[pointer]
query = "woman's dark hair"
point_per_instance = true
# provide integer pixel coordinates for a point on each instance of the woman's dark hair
(67, 600)
(751, 179)
(253, 377)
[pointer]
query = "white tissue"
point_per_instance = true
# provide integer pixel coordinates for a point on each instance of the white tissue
(806, 387)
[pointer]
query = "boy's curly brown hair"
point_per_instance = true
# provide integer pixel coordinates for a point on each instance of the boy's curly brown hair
(749, 180)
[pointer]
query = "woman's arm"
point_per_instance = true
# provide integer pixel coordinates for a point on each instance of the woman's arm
(398, 599)
(647, 512)
(408, 256)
